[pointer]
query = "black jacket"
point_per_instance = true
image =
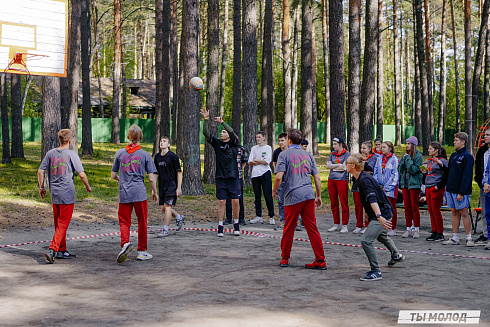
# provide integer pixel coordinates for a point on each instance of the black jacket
(371, 192)
(479, 164)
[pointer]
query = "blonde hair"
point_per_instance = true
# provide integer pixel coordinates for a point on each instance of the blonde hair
(358, 160)
(64, 136)
(135, 134)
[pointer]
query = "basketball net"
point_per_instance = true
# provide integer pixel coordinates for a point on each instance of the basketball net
(18, 64)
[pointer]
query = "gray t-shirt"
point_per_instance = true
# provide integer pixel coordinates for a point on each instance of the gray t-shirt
(434, 172)
(60, 165)
(336, 159)
(297, 165)
(132, 168)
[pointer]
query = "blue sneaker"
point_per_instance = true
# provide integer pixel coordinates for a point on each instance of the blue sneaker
(372, 275)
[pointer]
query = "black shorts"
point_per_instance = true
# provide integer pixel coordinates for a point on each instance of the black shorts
(167, 197)
(228, 188)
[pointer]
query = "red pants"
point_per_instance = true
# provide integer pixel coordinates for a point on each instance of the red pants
(62, 215)
(359, 211)
(394, 219)
(336, 190)
(307, 211)
(124, 214)
(434, 203)
(411, 204)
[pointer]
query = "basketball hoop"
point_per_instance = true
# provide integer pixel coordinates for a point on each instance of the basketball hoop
(18, 64)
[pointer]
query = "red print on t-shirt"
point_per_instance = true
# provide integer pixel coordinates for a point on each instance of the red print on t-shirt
(300, 163)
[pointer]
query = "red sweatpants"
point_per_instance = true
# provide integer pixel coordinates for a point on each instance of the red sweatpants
(307, 211)
(411, 203)
(434, 203)
(336, 190)
(394, 219)
(62, 216)
(124, 214)
(359, 211)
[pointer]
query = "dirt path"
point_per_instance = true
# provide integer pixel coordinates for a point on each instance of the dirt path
(198, 279)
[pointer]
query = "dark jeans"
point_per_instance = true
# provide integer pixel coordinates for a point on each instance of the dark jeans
(229, 208)
(264, 183)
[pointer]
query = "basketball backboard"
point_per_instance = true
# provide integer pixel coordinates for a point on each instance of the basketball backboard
(33, 37)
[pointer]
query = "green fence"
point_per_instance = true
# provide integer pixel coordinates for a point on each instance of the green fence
(101, 130)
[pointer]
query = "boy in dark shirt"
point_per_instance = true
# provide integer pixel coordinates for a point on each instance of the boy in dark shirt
(169, 184)
(227, 181)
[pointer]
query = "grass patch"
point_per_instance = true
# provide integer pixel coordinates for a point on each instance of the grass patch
(19, 180)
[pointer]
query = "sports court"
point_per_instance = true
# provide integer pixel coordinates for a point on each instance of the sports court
(198, 279)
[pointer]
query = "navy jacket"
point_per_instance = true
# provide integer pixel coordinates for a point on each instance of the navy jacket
(460, 174)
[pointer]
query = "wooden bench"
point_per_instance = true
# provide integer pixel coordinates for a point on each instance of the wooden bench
(446, 208)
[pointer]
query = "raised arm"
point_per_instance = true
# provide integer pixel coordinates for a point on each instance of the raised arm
(205, 126)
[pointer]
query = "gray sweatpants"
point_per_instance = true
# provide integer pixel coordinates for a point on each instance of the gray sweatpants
(376, 231)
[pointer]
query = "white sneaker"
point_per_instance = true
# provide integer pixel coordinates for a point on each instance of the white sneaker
(487, 247)
(391, 233)
(416, 234)
(344, 229)
(358, 230)
(272, 221)
(256, 220)
(470, 243)
(143, 255)
(408, 233)
(333, 228)
(363, 230)
(164, 233)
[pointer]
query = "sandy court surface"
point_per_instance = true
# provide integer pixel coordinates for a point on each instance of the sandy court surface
(197, 279)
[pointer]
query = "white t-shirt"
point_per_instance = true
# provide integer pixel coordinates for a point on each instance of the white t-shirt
(260, 152)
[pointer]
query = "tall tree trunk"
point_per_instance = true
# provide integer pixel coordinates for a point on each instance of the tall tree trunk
(16, 114)
(486, 106)
(162, 70)
(294, 72)
(286, 64)
(428, 66)
(326, 74)
(442, 92)
(380, 72)
(65, 100)
(456, 69)
(479, 64)
(368, 88)
(267, 99)
(306, 72)
(181, 110)
(124, 99)
(314, 98)
(73, 73)
(212, 89)
(51, 122)
(249, 83)
(224, 61)
(424, 94)
(337, 72)
(468, 112)
(4, 109)
(191, 182)
(175, 68)
(116, 84)
(408, 75)
(237, 68)
(87, 148)
(398, 136)
(354, 75)
(95, 23)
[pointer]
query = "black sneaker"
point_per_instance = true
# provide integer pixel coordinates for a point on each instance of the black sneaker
(439, 237)
(432, 237)
(227, 222)
(396, 260)
(220, 231)
(482, 240)
(236, 229)
(50, 256)
(65, 255)
(242, 222)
